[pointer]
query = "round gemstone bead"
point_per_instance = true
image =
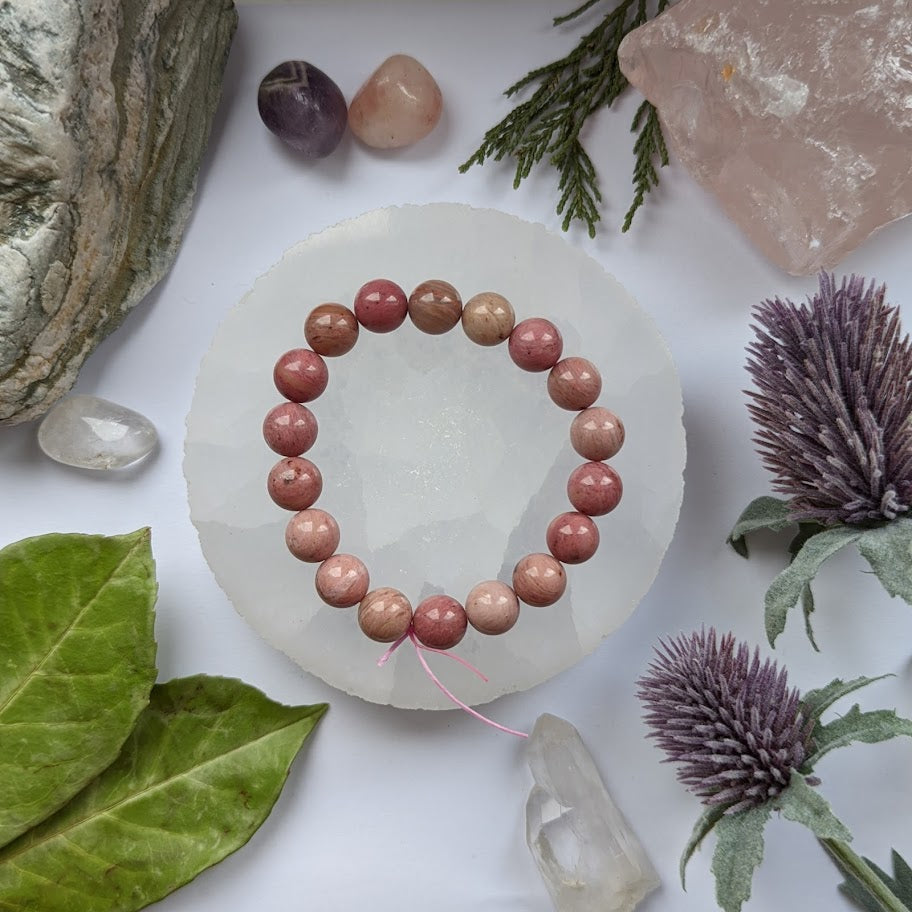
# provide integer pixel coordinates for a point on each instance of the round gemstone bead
(440, 622)
(535, 345)
(300, 375)
(488, 318)
(492, 607)
(312, 535)
(331, 330)
(594, 488)
(539, 580)
(294, 483)
(290, 429)
(574, 384)
(381, 306)
(597, 434)
(435, 307)
(342, 580)
(303, 107)
(572, 538)
(384, 615)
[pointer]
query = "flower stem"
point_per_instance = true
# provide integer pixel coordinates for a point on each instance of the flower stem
(860, 871)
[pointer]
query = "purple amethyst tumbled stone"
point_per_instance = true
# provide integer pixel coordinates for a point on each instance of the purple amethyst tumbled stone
(303, 107)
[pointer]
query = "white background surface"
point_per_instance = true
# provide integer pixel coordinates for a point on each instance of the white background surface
(396, 810)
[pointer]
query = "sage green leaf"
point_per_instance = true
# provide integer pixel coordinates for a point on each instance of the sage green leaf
(788, 586)
(815, 702)
(888, 549)
(707, 820)
(807, 609)
(802, 804)
(900, 884)
(867, 727)
(77, 662)
(196, 778)
(762, 513)
(739, 849)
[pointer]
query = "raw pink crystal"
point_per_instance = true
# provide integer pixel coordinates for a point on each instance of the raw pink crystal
(796, 115)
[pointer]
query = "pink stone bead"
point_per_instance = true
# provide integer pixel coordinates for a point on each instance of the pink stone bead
(384, 615)
(342, 580)
(331, 330)
(574, 384)
(435, 307)
(290, 429)
(594, 488)
(539, 580)
(381, 306)
(572, 538)
(597, 434)
(492, 607)
(440, 622)
(535, 344)
(294, 483)
(488, 318)
(312, 535)
(300, 375)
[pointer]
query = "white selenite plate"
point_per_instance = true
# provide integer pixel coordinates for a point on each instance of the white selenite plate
(442, 461)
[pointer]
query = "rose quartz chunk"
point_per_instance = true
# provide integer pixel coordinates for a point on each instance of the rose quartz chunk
(536, 345)
(597, 434)
(488, 318)
(331, 330)
(492, 607)
(594, 488)
(539, 580)
(300, 375)
(435, 307)
(290, 429)
(384, 615)
(574, 384)
(399, 104)
(312, 535)
(342, 580)
(440, 622)
(294, 483)
(572, 538)
(381, 306)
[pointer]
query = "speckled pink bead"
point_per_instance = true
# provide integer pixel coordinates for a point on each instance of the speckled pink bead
(597, 434)
(384, 615)
(381, 306)
(594, 488)
(492, 607)
(294, 483)
(535, 344)
(572, 538)
(440, 622)
(435, 307)
(539, 580)
(300, 375)
(331, 330)
(574, 384)
(290, 429)
(312, 535)
(342, 580)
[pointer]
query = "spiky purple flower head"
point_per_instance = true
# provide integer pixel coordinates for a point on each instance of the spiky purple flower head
(730, 721)
(834, 403)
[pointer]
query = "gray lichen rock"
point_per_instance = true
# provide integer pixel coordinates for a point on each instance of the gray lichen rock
(105, 111)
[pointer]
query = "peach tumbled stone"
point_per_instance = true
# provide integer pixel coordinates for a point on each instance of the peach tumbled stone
(294, 483)
(331, 330)
(597, 434)
(488, 318)
(572, 538)
(384, 615)
(535, 345)
(440, 622)
(594, 488)
(290, 429)
(399, 104)
(574, 384)
(342, 580)
(435, 307)
(300, 375)
(381, 305)
(539, 580)
(312, 535)
(492, 607)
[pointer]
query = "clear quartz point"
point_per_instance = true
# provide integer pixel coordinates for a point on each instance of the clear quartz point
(589, 858)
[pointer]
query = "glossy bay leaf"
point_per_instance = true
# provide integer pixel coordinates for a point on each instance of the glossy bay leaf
(197, 777)
(77, 662)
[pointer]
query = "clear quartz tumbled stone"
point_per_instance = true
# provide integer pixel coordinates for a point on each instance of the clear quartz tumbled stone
(93, 433)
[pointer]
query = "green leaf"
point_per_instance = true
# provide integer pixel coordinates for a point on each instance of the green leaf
(815, 702)
(739, 849)
(859, 892)
(804, 805)
(708, 819)
(807, 609)
(888, 549)
(762, 513)
(788, 586)
(77, 662)
(855, 725)
(197, 777)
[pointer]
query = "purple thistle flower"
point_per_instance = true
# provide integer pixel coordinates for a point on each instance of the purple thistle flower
(732, 723)
(834, 402)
